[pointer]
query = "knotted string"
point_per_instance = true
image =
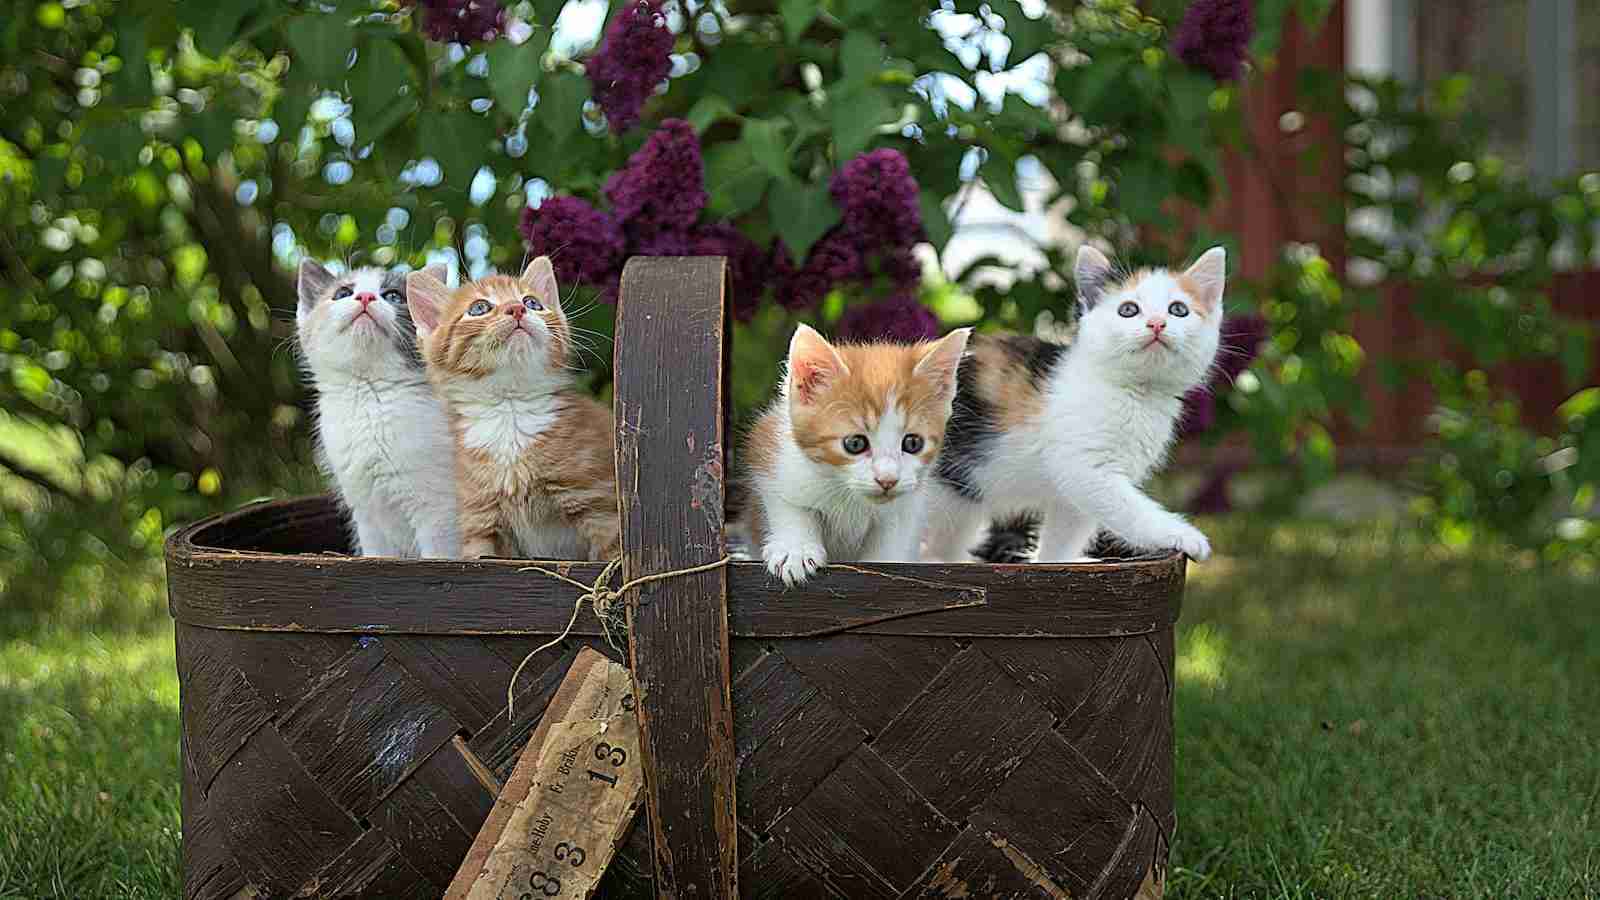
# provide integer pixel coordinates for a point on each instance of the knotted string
(601, 597)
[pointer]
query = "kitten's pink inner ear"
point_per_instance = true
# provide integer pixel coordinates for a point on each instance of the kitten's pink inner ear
(425, 295)
(943, 359)
(812, 364)
(540, 275)
(1209, 274)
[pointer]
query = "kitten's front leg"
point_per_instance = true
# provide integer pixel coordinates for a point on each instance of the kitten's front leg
(439, 536)
(1064, 534)
(1114, 501)
(953, 527)
(377, 533)
(793, 549)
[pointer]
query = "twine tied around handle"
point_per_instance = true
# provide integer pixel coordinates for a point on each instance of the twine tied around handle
(601, 598)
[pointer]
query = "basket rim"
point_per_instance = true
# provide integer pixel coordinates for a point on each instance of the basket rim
(216, 586)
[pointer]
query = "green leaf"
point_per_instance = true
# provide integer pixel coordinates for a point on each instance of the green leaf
(858, 10)
(767, 146)
(797, 17)
(293, 103)
(1143, 184)
(1083, 87)
(321, 47)
(215, 22)
(212, 129)
(934, 221)
(379, 84)
(1000, 175)
(860, 56)
(735, 182)
(1584, 404)
(460, 142)
(514, 70)
(1028, 36)
(801, 214)
(740, 71)
(560, 106)
(707, 110)
(113, 138)
(1191, 92)
(133, 46)
(856, 111)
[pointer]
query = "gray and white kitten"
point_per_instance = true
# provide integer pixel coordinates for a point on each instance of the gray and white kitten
(382, 435)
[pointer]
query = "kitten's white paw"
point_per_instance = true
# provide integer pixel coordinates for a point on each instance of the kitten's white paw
(1190, 540)
(794, 563)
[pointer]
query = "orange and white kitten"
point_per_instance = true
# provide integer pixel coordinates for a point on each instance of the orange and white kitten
(838, 463)
(535, 470)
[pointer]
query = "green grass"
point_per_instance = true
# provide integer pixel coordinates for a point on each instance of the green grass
(1359, 715)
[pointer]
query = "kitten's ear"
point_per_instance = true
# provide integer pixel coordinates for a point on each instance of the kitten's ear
(943, 359)
(427, 296)
(813, 362)
(1209, 273)
(312, 283)
(438, 272)
(1092, 272)
(540, 275)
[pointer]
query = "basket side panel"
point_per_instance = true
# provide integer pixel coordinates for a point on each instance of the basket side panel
(996, 767)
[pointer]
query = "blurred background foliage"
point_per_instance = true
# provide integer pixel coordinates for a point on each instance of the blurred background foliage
(164, 165)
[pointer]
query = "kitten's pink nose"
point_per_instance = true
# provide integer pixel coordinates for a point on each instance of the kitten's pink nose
(515, 311)
(366, 299)
(1156, 325)
(887, 483)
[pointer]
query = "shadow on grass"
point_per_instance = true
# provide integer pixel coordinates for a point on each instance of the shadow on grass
(1360, 714)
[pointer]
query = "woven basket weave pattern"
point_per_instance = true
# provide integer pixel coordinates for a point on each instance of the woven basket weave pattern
(326, 765)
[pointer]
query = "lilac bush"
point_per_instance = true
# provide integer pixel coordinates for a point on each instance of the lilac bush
(898, 318)
(462, 21)
(632, 60)
(662, 188)
(1215, 36)
(656, 203)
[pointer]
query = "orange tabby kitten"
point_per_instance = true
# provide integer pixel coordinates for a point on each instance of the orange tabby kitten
(536, 472)
(839, 463)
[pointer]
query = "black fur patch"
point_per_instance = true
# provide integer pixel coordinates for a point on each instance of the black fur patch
(1038, 355)
(1010, 540)
(970, 435)
(405, 336)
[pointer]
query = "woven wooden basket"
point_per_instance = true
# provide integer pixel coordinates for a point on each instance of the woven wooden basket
(885, 731)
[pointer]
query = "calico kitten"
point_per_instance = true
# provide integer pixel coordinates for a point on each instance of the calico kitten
(1070, 432)
(533, 453)
(382, 437)
(838, 463)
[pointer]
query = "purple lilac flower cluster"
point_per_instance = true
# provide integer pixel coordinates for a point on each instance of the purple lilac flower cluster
(880, 221)
(655, 204)
(462, 21)
(1215, 35)
(633, 59)
(656, 201)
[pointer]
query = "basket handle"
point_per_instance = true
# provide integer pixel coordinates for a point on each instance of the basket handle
(670, 346)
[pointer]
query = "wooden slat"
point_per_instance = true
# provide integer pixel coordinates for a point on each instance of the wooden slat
(256, 591)
(965, 736)
(669, 345)
(864, 831)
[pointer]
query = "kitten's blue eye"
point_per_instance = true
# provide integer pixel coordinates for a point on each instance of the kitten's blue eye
(344, 291)
(394, 296)
(1128, 309)
(533, 304)
(912, 443)
(1178, 308)
(479, 308)
(855, 444)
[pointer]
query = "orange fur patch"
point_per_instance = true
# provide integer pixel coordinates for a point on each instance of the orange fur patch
(464, 344)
